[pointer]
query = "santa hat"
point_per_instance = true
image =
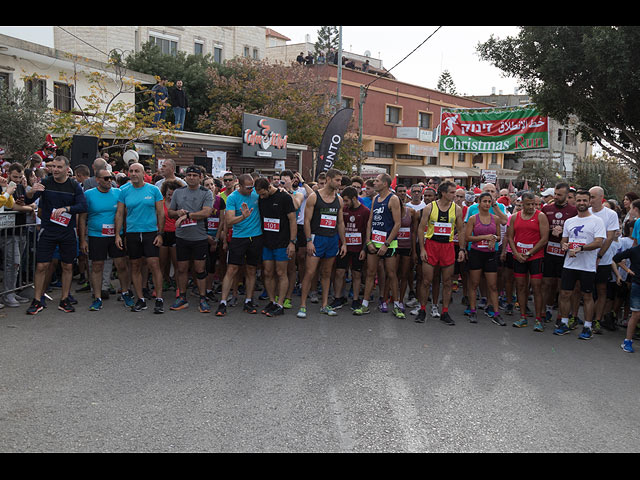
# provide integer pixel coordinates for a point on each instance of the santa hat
(477, 191)
(49, 143)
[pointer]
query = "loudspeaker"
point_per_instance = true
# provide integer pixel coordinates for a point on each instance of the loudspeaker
(84, 150)
(206, 162)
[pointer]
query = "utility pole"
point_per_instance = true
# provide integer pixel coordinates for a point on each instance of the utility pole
(363, 95)
(339, 94)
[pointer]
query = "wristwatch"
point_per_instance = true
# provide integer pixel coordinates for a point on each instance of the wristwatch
(309, 239)
(386, 244)
(293, 240)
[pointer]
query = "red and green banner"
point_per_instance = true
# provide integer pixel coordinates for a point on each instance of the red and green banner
(493, 130)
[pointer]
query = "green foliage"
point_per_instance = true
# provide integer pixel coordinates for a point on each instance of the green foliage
(446, 83)
(23, 122)
(615, 178)
(328, 38)
(590, 72)
(540, 173)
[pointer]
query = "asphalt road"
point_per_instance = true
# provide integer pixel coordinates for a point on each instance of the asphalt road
(118, 381)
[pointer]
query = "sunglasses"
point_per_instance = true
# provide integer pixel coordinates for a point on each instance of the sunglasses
(227, 179)
(106, 178)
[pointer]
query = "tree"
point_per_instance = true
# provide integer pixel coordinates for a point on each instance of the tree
(328, 38)
(608, 172)
(23, 122)
(446, 83)
(590, 72)
(540, 173)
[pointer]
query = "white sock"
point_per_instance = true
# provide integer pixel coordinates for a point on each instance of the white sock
(223, 302)
(365, 303)
(565, 321)
(587, 324)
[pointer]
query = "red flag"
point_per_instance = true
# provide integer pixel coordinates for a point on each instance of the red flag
(394, 182)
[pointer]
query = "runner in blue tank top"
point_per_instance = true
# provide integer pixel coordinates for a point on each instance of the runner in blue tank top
(385, 221)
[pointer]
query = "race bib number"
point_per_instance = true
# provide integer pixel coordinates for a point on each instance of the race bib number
(575, 245)
(188, 222)
(483, 244)
(108, 230)
(63, 219)
(554, 248)
(523, 247)
(213, 223)
(328, 221)
(441, 228)
(378, 236)
(353, 238)
(271, 224)
(404, 234)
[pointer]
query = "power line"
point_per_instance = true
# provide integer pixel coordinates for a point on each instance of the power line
(407, 56)
(83, 41)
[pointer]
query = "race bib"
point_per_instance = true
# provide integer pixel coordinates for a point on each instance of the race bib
(441, 228)
(353, 238)
(213, 223)
(483, 244)
(378, 236)
(523, 247)
(404, 233)
(188, 222)
(63, 219)
(575, 245)
(271, 224)
(108, 230)
(328, 221)
(554, 248)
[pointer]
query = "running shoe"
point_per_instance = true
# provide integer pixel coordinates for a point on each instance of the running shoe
(586, 334)
(270, 306)
(509, 309)
(222, 310)
(489, 311)
(497, 319)
(35, 308)
(522, 323)
(264, 295)
(538, 327)
(562, 330)
(338, 303)
(482, 304)
(159, 307)
(421, 317)
(96, 305)
(72, 300)
(180, 303)
(446, 318)
(467, 312)
(434, 311)
(382, 306)
(597, 329)
(128, 299)
(65, 306)
(627, 346)
(276, 311)
(313, 297)
(548, 317)
(302, 312)
(574, 322)
(140, 305)
(287, 303)
(355, 304)
(473, 317)
(204, 307)
(398, 313)
(249, 307)
(328, 311)
(362, 310)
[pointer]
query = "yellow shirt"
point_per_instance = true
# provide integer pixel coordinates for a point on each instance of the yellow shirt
(6, 201)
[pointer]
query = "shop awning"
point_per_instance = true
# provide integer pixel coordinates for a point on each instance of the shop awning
(468, 172)
(426, 171)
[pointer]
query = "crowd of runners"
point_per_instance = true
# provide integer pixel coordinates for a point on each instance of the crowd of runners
(340, 242)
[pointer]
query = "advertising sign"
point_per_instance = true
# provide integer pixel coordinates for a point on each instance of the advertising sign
(493, 130)
(332, 139)
(264, 137)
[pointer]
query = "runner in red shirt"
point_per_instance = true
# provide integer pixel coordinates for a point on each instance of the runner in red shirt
(527, 234)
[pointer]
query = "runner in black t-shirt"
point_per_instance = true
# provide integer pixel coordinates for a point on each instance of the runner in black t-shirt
(279, 232)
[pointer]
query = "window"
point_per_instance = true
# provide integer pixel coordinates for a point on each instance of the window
(255, 54)
(432, 160)
(4, 80)
(393, 115)
(424, 120)
(383, 150)
(217, 54)
(168, 46)
(37, 86)
(62, 96)
(461, 157)
(198, 48)
(246, 52)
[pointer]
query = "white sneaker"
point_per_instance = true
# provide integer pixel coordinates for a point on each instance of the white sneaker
(21, 299)
(434, 311)
(313, 297)
(415, 311)
(10, 300)
(411, 303)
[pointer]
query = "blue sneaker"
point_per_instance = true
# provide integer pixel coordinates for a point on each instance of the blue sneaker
(128, 299)
(489, 312)
(264, 295)
(627, 346)
(467, 312)
(562, 330)
(180, 303)
(204, 305)
(96, 305)
(586, 334)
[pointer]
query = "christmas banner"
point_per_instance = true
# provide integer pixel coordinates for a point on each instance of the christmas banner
(493, 130)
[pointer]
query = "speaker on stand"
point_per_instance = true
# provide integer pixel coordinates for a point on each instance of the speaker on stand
(84, 150)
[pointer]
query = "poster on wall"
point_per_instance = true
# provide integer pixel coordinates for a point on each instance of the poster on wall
(493, 130)
(264, 137)
(218, 163)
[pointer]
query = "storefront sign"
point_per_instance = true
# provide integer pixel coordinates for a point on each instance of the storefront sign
(264, 137)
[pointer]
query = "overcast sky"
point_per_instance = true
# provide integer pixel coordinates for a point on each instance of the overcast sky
(452, 48)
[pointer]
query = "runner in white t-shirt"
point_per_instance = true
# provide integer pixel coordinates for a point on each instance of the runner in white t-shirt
(582, 238)
(605, 255)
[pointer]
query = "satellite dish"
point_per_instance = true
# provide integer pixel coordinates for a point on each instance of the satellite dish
(130, 155)
(367, 53)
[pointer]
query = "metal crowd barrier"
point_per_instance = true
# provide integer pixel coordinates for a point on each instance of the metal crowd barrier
(17, 253)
